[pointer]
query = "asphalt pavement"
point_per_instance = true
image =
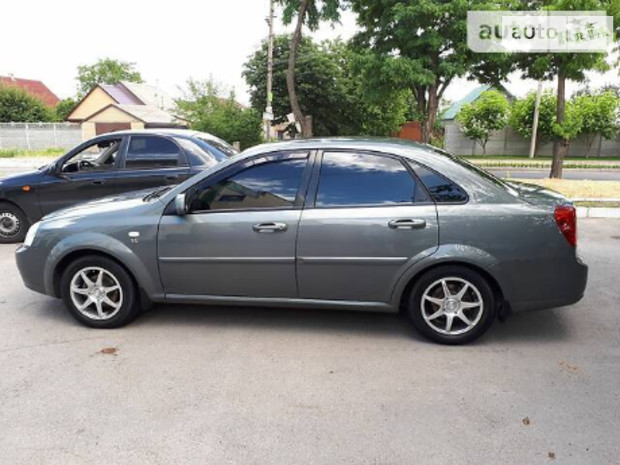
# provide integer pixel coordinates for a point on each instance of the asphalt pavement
(212, 385)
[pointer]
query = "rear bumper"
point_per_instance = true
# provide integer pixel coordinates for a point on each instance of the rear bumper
(565, 285)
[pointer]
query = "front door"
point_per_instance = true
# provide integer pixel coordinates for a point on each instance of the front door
(151, 161)
(238, 238)
(87, 174)
(369, 222)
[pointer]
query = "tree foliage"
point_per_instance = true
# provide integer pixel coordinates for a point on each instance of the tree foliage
(16, 105)
(206, 109)
(328, 89)
(488, 113)
(522, 116)
(421, 46)
(600, 114)
(105, 71)
(64, 108)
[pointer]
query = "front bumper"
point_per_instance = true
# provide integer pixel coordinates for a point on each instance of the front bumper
(31, 264)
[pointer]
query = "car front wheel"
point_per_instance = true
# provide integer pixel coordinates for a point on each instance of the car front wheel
(13, 224)
(99, 292)
(452, 305)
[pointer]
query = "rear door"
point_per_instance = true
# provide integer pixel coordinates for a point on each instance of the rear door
(151, 161)
(367, 219)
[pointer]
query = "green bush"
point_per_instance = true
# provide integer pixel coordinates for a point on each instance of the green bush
(16, 105)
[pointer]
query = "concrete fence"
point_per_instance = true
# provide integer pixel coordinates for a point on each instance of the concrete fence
(507, 142)
(38, 136)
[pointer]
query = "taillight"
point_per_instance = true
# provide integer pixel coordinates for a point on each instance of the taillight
(566, 218)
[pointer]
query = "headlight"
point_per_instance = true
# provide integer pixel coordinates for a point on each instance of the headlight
(32, 232)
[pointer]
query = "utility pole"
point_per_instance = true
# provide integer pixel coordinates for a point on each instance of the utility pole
(535, 122)
(268, 115)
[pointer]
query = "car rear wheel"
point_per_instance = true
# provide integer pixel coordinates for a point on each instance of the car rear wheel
(13, 224)
(99, 292)
(452, 305)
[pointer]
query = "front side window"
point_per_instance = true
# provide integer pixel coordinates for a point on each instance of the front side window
(350, 179)
(150, 152)
(97, 157)
(269, 184)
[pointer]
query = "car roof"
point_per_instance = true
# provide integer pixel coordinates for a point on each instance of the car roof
(159, 132)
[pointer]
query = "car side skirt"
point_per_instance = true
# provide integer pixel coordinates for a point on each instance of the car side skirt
(278, 302)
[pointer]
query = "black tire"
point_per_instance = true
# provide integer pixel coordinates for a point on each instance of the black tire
(12, 216)
(430, 284)
(129, 299)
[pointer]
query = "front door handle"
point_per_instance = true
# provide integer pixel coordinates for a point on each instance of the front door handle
(171, 177)
(269, 227)
(407, 224)
(98, 182)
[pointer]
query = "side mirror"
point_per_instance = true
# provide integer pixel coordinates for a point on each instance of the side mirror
(180, 204)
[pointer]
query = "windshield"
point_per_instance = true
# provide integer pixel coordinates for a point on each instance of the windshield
(479, 171)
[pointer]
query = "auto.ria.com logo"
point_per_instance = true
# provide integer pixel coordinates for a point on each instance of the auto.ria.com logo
(539, 31)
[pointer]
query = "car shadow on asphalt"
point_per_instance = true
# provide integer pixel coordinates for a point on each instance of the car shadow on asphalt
(541, 326)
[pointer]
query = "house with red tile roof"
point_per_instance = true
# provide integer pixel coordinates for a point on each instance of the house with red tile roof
(35, 88)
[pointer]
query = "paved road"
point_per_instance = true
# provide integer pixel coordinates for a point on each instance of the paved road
(591, 174)
(196, 385)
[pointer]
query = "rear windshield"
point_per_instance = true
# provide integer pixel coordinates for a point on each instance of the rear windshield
(475, 169)
(225, 150)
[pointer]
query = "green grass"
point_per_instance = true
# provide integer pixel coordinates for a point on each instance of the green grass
(15, 153)
(598, 204)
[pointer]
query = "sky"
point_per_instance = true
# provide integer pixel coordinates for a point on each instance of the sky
(169, 42)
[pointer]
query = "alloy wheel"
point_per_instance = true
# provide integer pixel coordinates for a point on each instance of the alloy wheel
(96, 293)
(452, 306)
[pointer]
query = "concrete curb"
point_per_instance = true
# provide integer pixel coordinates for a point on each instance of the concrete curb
(598, 212)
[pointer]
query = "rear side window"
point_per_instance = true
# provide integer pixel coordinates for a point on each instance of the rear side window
(270, 184)
(441, 188)
(356, 179)
(152, 152)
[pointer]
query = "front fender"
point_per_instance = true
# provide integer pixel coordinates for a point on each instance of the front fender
(450, 253)
(106, 245)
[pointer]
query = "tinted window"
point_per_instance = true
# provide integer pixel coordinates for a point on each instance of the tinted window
(152, 152)
(363, 179)
(271, 184)
(442, 189)
(199, 155)
(219, 146)
(100, 156)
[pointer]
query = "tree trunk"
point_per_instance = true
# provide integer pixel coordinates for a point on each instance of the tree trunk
(560, 146)
(290, 75)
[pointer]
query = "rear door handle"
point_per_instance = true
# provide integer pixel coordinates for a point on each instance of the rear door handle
(269, 227)
(407, 224)
(98, 182)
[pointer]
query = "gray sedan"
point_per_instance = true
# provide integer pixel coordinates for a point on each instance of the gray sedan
(380, 225)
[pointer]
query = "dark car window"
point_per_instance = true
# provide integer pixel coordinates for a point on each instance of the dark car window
(271, 184)
(199, 155)
(148, 152)
(349, 179)
(441, 188)
(220, 146)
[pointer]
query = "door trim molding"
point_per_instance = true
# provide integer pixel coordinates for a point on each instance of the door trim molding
(220, 260)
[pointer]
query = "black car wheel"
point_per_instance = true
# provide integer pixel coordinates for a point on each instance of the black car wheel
(452, 305)
(13, 224)
(99, 292)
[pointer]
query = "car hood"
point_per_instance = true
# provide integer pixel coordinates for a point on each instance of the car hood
(121, 204)
(29, 177)
(538, 195)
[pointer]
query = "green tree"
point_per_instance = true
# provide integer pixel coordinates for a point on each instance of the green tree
(16, 105)
(105, 71)
(310, 13)
(488, 113)
(565, 66)
(599, 114)
(64, 108)
(206, 109)
(421, 46)
(522, 116)
(328, 89)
